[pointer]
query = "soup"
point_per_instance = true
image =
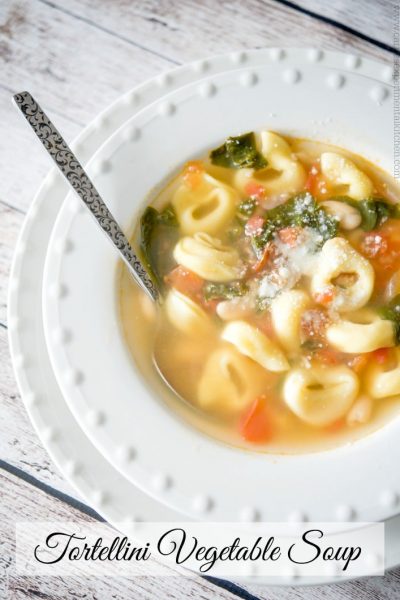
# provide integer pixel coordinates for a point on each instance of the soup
(279, 262)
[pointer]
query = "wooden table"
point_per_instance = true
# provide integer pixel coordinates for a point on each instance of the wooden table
(77, 56)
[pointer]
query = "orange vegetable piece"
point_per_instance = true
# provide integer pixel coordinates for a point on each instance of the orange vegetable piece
(262, 262)
(326, 296)
(255, 190)
(289, 235)
(315, 183)
(193, 173)
(254, 225)
(327, 356)
(358, 363)
(381, 355)
(256, 424)
(185, 281)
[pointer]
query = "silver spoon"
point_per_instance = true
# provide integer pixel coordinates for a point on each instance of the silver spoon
(76, 176)
(78, 179)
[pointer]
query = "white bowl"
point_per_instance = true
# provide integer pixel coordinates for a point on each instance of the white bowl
(116, 407)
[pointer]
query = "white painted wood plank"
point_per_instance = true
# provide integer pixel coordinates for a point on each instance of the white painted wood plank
(21, 502)
(10, 224)
(374, 18)
(191, 29)
(75, 67)
(80, 56)
(75, 71)
(24, 163)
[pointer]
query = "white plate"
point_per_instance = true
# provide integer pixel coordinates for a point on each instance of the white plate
(109, 398)
(79, 461)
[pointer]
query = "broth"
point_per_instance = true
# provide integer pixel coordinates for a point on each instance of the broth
(281, 317)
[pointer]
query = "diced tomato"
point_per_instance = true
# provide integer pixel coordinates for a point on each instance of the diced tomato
(256, 423)
(193, 174)
(290, 235)
(327, 356)
(262, 262)
(374, 244)
(381, 355)
(314, 323)
(382, 248)
(185, 281)
(358, 363)
(254, 190)
(315, 183)
(326, 296)
(254, 225)
(210, 305)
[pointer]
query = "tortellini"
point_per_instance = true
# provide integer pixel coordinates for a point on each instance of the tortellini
(382, 383)
(208, 257)
(207, 207)
(320, 395)
(287, 310)
(361, 331)
(338, 258)
(284, 173)
(343, 173)
(229, 381)
(186, 315)
(253, 343)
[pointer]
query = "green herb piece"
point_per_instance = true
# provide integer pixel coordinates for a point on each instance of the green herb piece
(224, 291)
(300, 211)
(247, 207)
(238, 153)
(151, 224)
(391, 312)
(373, 211)
(167, 217)
(312, 345)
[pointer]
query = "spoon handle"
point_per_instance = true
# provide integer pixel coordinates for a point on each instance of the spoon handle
(73, 171)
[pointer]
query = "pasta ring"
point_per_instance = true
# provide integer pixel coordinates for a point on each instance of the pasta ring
(254, 344)
(320, 395)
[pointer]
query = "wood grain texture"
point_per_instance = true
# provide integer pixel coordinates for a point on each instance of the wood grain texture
(10, 224)
(129, 42)
(189, 30)
(22, 503)
(77, 57)
(360, 15)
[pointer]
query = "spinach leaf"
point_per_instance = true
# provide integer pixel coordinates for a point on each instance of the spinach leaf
(373, 211)
(238, 153)
(152, 223)
(391, 312)
(247, 207)
(300, 211)
(224, 291)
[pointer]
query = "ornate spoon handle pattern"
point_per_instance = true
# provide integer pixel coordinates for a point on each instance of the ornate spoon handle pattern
(73, 171)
